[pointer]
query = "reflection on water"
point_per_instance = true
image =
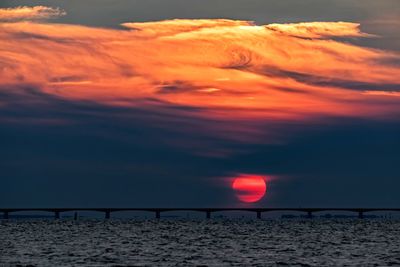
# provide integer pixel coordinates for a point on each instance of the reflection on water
(202, 242)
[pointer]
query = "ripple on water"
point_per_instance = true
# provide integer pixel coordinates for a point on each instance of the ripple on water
(199, 243)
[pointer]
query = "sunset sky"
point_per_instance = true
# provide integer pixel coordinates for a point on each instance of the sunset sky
(165, 103)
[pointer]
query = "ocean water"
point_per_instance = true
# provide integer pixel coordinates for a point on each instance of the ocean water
(307, 242)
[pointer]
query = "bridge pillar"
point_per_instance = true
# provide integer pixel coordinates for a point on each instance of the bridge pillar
(56, 214)
(158, 214)
(108, 215)
(360, 214)
(208, 214)
(259, 215)
(309, 214)
(75, 216)
(5, 215)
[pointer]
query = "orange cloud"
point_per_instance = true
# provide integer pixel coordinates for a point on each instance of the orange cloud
(231, 70)
(319, 29)
(383, 93)
(29, 13)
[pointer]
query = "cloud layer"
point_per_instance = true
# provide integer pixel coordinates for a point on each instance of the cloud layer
(226, 70)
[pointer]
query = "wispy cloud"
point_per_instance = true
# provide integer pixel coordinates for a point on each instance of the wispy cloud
(383, 93)
(320, 29)
(30, 13)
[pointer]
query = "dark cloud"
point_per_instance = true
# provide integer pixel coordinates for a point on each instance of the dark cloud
(36, 36)
(177, 87)
(100, 155)
(322, 81)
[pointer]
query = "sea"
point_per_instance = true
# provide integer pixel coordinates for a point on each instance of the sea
(215, 242)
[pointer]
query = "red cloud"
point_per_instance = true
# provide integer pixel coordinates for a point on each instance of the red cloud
(231, 70)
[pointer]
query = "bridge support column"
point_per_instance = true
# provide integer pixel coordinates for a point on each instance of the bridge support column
(75, 216)
(259, 215)
(360, 215)
(208, 214)
(108, 215)
(309, 214)
(56, 214)
(5, 215)
(158, 214)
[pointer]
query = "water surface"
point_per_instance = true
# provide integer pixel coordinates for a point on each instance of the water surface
(200, 243)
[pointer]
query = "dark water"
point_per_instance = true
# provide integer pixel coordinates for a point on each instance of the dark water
(200, 243)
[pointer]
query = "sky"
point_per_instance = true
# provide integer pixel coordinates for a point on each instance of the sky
(164, 103)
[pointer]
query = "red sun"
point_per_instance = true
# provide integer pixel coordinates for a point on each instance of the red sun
(249, 188)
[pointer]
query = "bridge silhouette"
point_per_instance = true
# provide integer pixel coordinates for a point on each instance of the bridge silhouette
(208, 211)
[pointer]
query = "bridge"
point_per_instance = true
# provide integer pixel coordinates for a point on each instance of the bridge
(207, 211)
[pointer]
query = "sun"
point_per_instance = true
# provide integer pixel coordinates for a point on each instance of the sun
(249, 188)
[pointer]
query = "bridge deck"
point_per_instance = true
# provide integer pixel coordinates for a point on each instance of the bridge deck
(113, 209)
(208, 211)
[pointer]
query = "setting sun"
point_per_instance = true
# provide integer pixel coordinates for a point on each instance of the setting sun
(249, 188)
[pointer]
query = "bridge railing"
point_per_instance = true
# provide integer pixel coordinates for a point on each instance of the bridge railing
(208, 211)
